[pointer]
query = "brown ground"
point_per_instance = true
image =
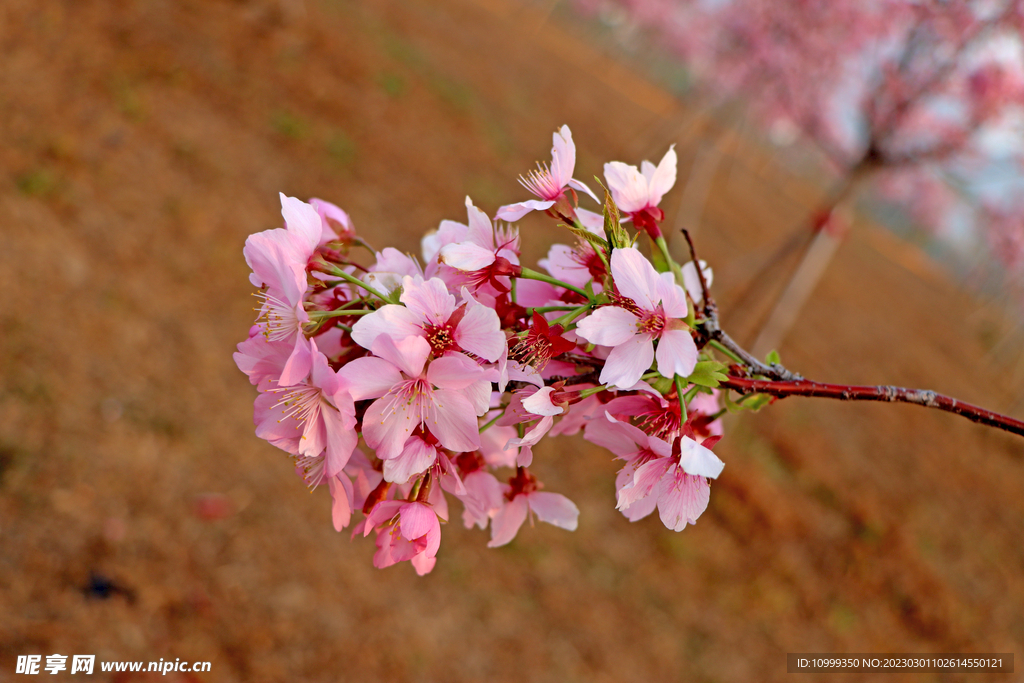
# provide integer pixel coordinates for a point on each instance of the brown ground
(144, 140)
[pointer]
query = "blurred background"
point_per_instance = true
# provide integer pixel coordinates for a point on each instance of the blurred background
(142, 519)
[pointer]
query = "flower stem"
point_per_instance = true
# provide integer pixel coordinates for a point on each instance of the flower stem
(677, 272)
(531, 274)
(724, 349)
(490, 423)
(338, 272)
(571, 315)
(680, 385)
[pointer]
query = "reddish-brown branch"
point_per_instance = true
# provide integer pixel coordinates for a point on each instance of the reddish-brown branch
(920, 397)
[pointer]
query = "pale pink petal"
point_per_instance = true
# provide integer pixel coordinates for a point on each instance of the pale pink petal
(454, 424)
(272, 425)
(635, 277)
(415, 458)
(423, 564)
(707, 404)
(299, 363)
(594, 222)
(692, 282)
(539, 403)
(533, 436)
(438, 502)
(628, 361)
(563, 156)
(481, 231)
(321, 374)
(663, 178)
(382, 512)
(608, 326)
(417, 521)
(408, 355)
(330, 213)
(533, 293)
(479, 331)
(466, 256)
(644, 480)
(341, 497)
(697, 460)
(513, 212)
(454, 371)
(430, 301)
(525, 457)
(389, 423)
(507, 521)
(393, 261)
(341, 438)
(398, 322)
(273, 257)
(517, 372)
(554, 508)
(614, 435)
(640, 508)
(302, 221)
(492, 446)
(677, 354)
(673, 297)
(369, 377)
(449, 232)
(577, 185)
(562, 264)
(479, 395)
(683, 499)
(482, 498)
(262, 360)
(314, 435)
(627, 185)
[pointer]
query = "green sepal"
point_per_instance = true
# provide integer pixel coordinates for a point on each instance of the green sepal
(599, 243)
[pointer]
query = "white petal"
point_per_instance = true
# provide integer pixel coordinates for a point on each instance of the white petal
(695, 459)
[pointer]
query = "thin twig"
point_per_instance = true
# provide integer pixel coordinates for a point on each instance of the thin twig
(714, 332)
(888, 394)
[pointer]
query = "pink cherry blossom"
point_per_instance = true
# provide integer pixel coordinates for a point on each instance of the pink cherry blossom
(548, 182)
(522, 499)
(488, 255)
(405, 531)
(672, 478)
(312, 417)
(638, 193)
(650, 307)
(278, 259)
(314, 473)
(413, 394)
(432, 312)
(335, 224)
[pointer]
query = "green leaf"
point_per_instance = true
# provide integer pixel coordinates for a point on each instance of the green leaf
(772, 358)
(708, 373)
(756, 402)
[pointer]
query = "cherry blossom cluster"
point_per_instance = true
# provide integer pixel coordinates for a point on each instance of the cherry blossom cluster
(403, 381)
